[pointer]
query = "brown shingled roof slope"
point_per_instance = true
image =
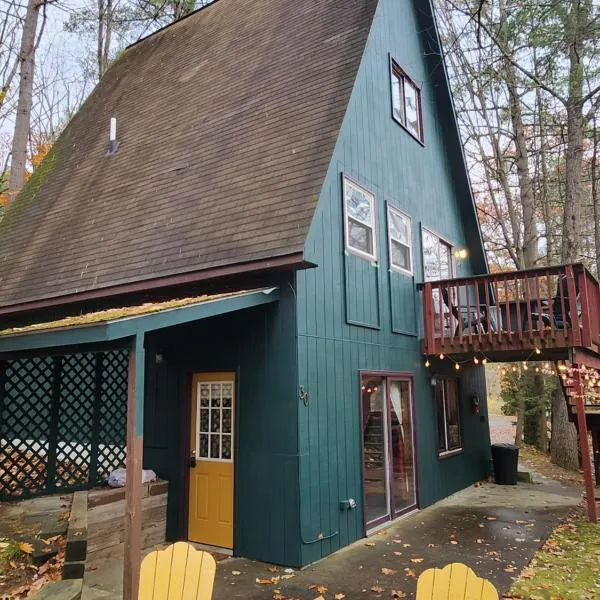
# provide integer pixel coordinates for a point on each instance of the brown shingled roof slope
(226, 121)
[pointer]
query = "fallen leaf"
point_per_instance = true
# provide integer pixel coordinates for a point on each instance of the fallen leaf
(387, 571)
(25, 547)
(431, 545)
(321, 589)
(398, 553)
(273, 569)
(339, 596)
(370, 544)
(406, 545)
(453, 542)
(235, 572)
(416, 560)
(377, 589)
(398, 594)
(411, 572)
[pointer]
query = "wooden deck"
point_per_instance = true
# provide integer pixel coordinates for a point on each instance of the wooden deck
(538, 313)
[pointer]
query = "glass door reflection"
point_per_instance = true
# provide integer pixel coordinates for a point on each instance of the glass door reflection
(401, 442)
(375, 449)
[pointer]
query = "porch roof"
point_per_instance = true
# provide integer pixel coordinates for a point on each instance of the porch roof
(121, 323)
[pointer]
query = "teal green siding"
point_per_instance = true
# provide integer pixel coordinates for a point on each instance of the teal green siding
(259, 345)
(428, 184)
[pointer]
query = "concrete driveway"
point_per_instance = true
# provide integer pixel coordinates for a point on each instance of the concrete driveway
(493, 529)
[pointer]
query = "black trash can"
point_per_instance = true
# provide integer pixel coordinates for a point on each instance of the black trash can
(506, 459)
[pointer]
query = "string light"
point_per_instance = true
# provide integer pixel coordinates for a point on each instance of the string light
(442, 356)
(484, 361)
(427, 363)
(476, 360)
(538, 351)
(457, 366)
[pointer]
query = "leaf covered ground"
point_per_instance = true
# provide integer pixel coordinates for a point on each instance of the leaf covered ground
(567, 567)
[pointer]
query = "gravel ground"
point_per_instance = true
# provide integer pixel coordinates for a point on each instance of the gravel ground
(502, 429)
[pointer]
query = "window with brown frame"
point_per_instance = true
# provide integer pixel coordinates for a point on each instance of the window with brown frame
(406, 102)
(448, 416)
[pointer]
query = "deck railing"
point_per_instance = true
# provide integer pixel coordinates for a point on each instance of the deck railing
(550, 307)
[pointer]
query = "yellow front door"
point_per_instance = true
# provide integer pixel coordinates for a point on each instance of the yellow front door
(211, 466)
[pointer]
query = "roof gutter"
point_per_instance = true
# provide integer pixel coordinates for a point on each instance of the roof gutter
(295, 260)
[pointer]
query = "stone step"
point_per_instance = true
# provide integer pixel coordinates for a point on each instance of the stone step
(66, 589)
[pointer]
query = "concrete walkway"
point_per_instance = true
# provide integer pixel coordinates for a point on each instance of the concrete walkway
(493, 529)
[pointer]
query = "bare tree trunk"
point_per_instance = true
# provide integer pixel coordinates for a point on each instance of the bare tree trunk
(596, 209)
(563, 444)
(564, 451)
(23, 116)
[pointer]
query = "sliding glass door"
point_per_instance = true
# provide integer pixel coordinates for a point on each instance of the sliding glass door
(388, 454)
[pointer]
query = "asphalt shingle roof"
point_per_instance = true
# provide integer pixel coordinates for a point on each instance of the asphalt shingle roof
(226, 122)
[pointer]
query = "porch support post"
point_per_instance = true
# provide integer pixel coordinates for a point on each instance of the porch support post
(135, 449)
(585, 448)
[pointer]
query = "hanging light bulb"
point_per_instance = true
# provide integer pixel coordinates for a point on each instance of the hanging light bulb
(457, 366)
(514, 369)
(503, 371)
(442, 356)
(525, 367)
(476, 360)
(538, 351)
(484, 361)
(427, 363)
(537, 369)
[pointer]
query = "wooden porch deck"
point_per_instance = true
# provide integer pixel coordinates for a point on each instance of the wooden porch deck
(547, 314)
(509, 316)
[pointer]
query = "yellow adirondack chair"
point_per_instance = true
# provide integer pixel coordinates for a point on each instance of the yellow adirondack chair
(454, 582)
(179, 572)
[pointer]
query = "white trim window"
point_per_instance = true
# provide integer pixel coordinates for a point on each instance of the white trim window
(400, 240)
(437, 257)
(359, 217)
(448, 416)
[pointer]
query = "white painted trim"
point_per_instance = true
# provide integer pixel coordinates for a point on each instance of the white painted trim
(392, 209)
(372, 226)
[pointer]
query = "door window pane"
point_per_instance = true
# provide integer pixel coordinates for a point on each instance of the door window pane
(214, 421)
(374, 448)
(401, 438)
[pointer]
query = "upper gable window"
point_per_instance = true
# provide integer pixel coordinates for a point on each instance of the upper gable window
(406, 102)
(359, 216)
(400, 240)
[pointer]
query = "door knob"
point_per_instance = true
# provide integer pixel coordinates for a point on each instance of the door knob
(193, 461)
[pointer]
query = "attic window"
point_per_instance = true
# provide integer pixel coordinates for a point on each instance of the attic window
(359, 217)
(406, 102)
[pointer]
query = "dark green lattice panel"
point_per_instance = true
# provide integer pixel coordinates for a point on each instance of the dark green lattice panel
(25, 426)
(113, 413)
(75, 420)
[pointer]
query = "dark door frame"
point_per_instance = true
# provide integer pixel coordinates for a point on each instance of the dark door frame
(389, 376)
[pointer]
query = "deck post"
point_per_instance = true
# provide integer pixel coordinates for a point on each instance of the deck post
(133, 489)
(585, 448)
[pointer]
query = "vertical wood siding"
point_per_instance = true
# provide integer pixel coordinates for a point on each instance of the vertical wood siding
(260, 346)
(423, 182)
